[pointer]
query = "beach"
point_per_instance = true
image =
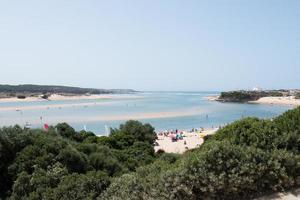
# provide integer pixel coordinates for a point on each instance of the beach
(278, 101)
(190, 140)
(58, 97)
(289, 100)
(211, 98)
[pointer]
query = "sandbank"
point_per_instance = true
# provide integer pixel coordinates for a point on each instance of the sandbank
(51, 106)
(112, 117)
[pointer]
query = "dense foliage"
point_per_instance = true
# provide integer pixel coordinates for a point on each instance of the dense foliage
(20, 90)
(65, 164)
(245, 159)
(245, 96)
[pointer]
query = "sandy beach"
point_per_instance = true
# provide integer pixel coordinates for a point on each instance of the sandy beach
(211, 98)
(190, 140)
(278, 101)
(290, 100)
(57, 97)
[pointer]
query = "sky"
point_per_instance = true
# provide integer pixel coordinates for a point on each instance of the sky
(150, 44)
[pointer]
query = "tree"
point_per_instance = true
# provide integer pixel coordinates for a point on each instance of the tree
(73, 160)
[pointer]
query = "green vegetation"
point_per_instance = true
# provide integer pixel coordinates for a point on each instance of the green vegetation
(245, 159)
(65, 164)
(245, 96)
(297, 96)
(34, 90)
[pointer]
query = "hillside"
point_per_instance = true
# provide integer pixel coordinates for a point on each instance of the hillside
(34, 90)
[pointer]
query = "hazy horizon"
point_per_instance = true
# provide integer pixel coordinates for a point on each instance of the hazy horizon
(151, 46)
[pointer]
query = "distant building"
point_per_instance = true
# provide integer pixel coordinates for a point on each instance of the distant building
(257, 89)
(294, 92)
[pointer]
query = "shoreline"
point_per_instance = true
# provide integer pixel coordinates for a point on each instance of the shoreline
(58, 97)
(189, 140)
(211, 98)
(287, 101)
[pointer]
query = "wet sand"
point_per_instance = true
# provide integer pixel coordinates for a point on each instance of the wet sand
(119, 117)
(96, 118)
(51, 106)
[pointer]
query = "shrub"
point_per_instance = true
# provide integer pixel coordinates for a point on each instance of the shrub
(21, 97)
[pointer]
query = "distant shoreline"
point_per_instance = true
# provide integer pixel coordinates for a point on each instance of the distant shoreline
(286, 101)
(59, 97)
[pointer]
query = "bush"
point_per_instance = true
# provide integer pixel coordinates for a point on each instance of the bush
(73, 160)
(226, 171)
(80, 186)
(21, 97)
(44, 96)
(245, 159)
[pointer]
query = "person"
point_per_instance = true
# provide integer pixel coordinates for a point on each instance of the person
(184, 142)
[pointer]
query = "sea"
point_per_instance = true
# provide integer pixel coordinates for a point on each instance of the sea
(163, 110)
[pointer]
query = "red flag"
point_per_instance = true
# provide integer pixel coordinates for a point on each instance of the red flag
(46, 127)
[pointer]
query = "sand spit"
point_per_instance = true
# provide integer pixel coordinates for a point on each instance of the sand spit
(57, 97)
(211, 98)
(278, 101)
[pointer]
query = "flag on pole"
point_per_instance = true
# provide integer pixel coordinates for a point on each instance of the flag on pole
(46, 127)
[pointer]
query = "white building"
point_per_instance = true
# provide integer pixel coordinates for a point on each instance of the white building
(257, 89)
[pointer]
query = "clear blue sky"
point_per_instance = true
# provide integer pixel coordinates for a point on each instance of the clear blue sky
(151, 44)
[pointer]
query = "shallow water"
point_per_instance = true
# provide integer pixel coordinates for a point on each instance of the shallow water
(164, 110)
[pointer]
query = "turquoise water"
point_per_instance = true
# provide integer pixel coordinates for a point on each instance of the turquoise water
(163, 110)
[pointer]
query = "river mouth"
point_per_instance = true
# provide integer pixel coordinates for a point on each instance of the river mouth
(164, 110)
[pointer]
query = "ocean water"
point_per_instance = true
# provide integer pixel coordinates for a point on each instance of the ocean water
(163, 110)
